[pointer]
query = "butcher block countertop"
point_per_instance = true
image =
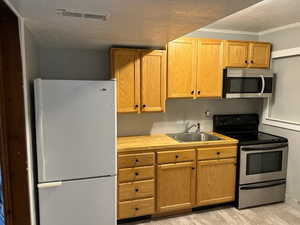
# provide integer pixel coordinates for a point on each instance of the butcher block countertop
(162, 141)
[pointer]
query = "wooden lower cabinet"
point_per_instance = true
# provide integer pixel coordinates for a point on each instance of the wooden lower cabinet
(216, 181)
(166, 181)
(136, 190)
(136, 208)
(175, 186)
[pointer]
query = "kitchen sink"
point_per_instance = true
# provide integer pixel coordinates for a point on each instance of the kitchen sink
(192, 137)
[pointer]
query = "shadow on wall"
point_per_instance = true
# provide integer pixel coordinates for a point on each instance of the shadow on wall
(180, 111)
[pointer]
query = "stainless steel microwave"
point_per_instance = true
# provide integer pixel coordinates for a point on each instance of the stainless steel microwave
(247, 83)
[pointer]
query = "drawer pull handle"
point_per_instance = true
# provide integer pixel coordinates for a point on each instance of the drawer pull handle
(177, 156)
(136, 190)
(136, 173)
(136, 209)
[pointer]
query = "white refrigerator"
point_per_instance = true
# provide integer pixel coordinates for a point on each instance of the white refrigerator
(76, 152)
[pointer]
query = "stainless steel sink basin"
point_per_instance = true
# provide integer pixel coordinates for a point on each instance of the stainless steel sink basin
(191, 137)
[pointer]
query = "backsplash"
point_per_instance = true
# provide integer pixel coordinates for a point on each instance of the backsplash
(179, 112)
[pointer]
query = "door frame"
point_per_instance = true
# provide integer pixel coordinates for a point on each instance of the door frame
(13, 148)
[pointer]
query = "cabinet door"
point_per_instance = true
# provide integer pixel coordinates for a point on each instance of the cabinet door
(182, 68)
(236, 54)
(209, 68)
(175, 186)
(126, 69)
(216, 181)
(259, 56)
(153, 79)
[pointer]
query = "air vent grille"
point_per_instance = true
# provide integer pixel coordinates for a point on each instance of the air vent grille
(68, 13)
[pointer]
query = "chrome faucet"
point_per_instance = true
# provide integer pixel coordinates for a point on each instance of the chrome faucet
(187, 127)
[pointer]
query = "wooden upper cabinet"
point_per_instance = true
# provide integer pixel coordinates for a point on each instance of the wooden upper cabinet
(141, 79)
(126, 70)
(175, 186)
(209, 68)
(216, 181)
(236, 53)
(153, 81)
(259, 55)
(182, 66)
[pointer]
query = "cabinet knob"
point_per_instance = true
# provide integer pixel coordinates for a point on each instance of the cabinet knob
(136, 173)
(252, 61)
(246, 61)
(218, 153)
(136, 106)
(136, 190)
(136, 160)
(177, 156)
(136, 209)
(192, 92)
(199, 92)
(193, 168)
(144, 106)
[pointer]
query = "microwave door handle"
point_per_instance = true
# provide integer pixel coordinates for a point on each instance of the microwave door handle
(263, 84)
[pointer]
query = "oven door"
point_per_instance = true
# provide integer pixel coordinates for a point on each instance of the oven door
(266, 162)
(247, 86)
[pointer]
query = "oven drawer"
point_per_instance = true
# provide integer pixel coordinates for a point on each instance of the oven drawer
(261, 193)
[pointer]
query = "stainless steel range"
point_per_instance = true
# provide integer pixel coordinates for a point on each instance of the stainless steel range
(262, 160)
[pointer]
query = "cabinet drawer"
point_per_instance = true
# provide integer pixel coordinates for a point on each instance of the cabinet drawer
(136, 208)
(217, 153)
(133, 160)
(135, 190)
(176, 156)
(135, 174)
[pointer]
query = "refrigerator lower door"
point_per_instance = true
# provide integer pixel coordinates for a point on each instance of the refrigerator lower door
(80, 202)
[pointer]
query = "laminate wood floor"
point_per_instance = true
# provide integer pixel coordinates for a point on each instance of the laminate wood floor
(276, 214)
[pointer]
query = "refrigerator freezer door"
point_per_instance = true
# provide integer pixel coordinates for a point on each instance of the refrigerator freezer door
(79, 202)
(76, 131)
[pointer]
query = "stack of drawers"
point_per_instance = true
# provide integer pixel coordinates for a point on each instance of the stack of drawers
(136, 185)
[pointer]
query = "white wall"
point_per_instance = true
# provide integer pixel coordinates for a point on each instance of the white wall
(179, 112)
(283, 39)
(31, 68)
(74, 64)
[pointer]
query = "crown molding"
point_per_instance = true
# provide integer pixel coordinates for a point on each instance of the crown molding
(292, 25)
(225, 31)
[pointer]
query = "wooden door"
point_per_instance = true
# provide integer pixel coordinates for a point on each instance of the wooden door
(126, 69)
(209, 68)
(216, 181)
(182, 60)
(153, 81)
(236, 53)
(175, 186)
(259, 55)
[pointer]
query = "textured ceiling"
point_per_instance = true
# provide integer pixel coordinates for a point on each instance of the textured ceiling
(265, 15)
(131, 22)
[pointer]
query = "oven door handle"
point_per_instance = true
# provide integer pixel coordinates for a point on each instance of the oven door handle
(264, 148)
(257, 186)
(263, 84)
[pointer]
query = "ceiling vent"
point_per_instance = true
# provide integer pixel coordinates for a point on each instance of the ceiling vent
(68, 13)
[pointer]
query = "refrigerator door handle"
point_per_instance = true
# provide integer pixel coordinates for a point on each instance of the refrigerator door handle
(50, 185)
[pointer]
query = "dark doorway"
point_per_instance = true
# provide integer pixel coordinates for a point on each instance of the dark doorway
(13, 151)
